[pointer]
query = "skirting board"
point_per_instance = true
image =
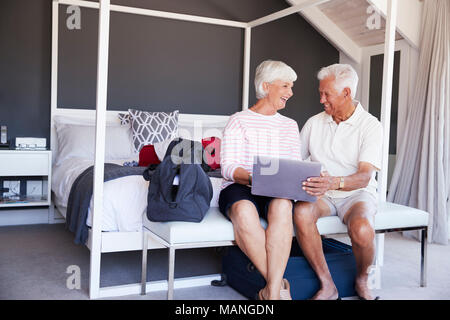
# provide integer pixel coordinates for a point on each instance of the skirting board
(160, 285)
(13, 217)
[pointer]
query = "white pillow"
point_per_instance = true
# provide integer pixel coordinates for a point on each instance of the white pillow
(60, 119)
(205, 130)
(78, 141)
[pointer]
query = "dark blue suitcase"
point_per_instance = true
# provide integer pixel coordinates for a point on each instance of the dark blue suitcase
(240, 274)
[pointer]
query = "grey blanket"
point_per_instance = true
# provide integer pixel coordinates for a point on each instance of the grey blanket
(81, 193)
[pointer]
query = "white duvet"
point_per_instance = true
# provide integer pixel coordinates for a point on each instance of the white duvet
(124, 199)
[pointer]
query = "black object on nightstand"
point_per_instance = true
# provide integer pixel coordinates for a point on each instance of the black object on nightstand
(4, 142)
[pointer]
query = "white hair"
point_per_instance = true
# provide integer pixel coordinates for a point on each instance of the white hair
(345, 77)
(269, 71)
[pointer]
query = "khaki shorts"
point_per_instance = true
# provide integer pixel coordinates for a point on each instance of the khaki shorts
(340, 206)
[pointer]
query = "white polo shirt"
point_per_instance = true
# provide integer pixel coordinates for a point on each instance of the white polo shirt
(340, 147)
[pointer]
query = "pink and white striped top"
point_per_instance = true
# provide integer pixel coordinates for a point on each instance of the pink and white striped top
(249, 133)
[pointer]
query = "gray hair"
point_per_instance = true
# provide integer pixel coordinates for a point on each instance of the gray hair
(345, 77)
(269, 71)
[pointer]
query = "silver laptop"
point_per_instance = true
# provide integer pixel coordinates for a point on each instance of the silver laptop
(282, 178)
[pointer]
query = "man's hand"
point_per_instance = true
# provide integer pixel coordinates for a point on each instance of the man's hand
(317, 186)
(324, 174)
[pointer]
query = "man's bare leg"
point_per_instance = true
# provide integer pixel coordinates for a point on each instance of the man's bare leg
(362, 234)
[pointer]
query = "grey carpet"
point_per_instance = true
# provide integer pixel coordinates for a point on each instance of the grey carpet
(34, 260)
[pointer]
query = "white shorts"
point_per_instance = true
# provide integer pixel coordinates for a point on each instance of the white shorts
(340, 206)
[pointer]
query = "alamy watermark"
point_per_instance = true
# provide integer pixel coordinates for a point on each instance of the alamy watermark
(187, 153)
(373, 22)
(374, 279)
(73, 21)
(74, 279)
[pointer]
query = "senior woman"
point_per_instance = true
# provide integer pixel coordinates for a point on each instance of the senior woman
(261, 131)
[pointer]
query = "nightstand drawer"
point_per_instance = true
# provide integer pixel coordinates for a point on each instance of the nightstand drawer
(24, 164)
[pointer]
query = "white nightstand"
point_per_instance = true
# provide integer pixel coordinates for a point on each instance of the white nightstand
(27, 173)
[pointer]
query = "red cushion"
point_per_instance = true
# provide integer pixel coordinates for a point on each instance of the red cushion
(148, 156)
(212, 151)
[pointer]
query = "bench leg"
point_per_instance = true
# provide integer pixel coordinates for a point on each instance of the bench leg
(144, 263)
(423, 258)
(379, 249)
(171, 277)
(374, 280)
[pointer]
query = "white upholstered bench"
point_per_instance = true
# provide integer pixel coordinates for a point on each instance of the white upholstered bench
(216, 231)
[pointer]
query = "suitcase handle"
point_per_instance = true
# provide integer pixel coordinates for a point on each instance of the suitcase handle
(220, 283)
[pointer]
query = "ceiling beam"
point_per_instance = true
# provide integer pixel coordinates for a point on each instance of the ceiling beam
(330, 31)
(299, 5)
(409, 16)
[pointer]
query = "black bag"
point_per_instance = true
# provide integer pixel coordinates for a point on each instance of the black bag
(240, 274)
(191, 198)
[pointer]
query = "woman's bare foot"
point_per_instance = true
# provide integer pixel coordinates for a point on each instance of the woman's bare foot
(264, 294)
(285, 292)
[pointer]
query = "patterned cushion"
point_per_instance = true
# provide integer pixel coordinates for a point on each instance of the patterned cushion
(152, 127)
(124, 119)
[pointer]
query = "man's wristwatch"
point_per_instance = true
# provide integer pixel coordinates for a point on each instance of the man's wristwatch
(250, 179)
(341, 183)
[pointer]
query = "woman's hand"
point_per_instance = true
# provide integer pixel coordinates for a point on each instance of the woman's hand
(242, 176)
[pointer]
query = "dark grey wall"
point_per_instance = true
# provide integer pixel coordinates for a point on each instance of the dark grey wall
(295, 42)
(25, 53)
(375, 94)
(154, 64)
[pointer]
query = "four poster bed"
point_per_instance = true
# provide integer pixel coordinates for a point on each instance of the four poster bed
(106, 236)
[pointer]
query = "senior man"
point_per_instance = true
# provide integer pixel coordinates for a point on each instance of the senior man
(347, 140)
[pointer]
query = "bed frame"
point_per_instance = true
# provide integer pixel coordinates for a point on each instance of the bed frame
(132, 241)
(101, 242)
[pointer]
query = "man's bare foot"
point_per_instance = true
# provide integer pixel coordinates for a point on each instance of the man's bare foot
(326, 293)
(362, 290)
